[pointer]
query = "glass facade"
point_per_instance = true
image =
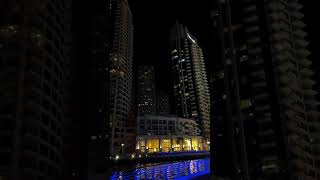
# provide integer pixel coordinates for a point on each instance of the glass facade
(169, 144)
(190, 84)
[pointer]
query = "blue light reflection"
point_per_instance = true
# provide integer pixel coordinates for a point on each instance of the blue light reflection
(182, 170)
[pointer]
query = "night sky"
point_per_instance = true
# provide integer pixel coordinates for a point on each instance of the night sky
(152, 23)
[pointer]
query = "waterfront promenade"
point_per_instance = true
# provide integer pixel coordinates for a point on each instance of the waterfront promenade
(160, 157)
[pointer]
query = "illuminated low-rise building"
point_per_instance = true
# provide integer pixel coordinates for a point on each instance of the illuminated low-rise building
(168, 134)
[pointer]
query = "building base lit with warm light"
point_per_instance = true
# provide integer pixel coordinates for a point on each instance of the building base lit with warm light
(152, 144)
(168, 134)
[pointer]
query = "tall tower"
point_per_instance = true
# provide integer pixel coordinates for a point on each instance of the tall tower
(162, 103)
(146, 90)
(284, 98)
(98, 64)
(191, 89)
(284, 117)
(34, 66)
(120, 73)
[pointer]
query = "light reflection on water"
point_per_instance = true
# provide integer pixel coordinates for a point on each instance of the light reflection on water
(169, 171)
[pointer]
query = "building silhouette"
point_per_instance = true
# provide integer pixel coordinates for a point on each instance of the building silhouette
(120, 73)
(162, 103)
(293, 106)
(281, 140)
(191, 90)
(146, 90)
(34, 85)
(100, 34)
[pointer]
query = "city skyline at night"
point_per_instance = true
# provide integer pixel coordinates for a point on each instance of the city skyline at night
(161, 89)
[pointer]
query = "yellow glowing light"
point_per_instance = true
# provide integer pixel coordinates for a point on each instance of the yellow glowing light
(117, 157)
(132, 156)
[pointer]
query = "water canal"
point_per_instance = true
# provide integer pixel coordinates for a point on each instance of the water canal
(179, 170)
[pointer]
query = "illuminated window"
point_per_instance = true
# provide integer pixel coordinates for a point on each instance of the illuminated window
(174, 51)
(177, 144)
(186, 145)
(195, 144)
(153, 145)
(166, 145)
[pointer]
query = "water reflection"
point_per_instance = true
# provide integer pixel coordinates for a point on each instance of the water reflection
(169, 171)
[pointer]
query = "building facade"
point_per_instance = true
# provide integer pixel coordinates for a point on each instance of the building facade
(120, 73)
(35, 69)
(167, 134)
(98, 64)
(281, 140)
(162, 103)
(146, 90)
(191, 90)
(281, 76)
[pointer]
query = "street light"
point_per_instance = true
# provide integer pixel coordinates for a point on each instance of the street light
(122, 145)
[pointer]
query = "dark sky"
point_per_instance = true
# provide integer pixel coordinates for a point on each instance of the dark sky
(153, 20)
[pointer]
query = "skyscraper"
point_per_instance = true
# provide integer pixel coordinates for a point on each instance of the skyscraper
(162, 103)
(35, 68)
(191, 90)
(280, 86)
(98, 63)
(120, 73)
(283, 89)
(146, 90)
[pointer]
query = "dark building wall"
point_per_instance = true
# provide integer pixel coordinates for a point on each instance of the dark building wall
(279, 77)
(35, 56)
(76, 129)
(288, 77)
(162, 103)
(120, 73)
(98, 64)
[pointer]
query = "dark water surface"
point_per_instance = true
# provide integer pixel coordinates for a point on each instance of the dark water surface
(180, 170)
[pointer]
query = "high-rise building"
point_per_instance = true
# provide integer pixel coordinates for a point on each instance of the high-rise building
(35, 69)
(284, 127)
(146, 90)
(162, 103)
(98, 64)
(191, 91)
(120, 73)
(283, 90)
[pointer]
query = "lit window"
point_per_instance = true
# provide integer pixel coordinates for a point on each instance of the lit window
(174, 51)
